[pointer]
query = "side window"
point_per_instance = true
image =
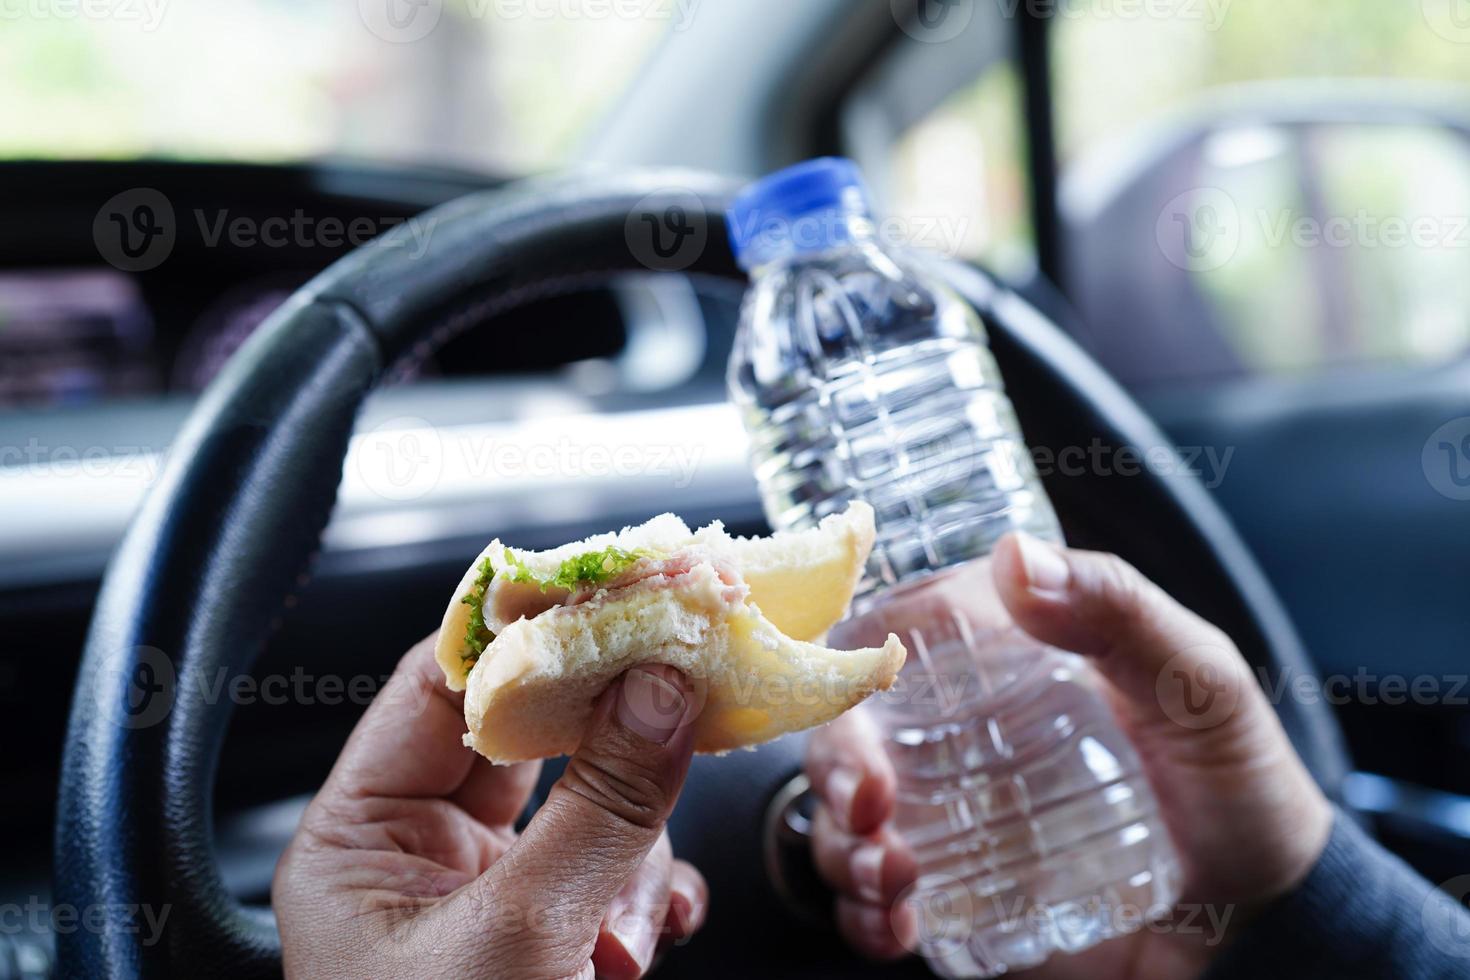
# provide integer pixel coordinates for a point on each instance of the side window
(1335, 245)
(938, 127)
(1255, 189)
(966, 160)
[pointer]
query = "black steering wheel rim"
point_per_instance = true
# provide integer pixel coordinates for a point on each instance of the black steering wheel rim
(229, 532)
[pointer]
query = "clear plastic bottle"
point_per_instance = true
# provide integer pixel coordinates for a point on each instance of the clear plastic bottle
(861, 376)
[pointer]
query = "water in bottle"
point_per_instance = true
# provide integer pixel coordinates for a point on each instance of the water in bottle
(862, 376)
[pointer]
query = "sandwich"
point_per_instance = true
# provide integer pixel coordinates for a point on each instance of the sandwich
(533, 638)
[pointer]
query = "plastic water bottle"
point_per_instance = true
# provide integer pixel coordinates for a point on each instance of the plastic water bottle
(862, 376)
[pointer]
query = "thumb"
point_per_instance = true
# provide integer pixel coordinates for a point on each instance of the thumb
(1167, 663)
(605, 813)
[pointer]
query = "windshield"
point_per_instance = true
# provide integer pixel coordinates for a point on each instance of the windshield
(506, 86)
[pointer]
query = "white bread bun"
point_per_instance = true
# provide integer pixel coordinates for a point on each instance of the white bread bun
(532, 693)
(801, 580)
(695, 601)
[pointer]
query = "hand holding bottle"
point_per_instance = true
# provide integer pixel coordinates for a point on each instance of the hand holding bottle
(1246, 818)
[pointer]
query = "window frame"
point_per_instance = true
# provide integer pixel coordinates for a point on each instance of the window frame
(1023, 36)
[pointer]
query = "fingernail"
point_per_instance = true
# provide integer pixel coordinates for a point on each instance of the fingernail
(867, 872)
(686, 908)
(688, 902)
(650, 706)
(1046, 570)
(842, 787)
(876, 924)
(634, 931)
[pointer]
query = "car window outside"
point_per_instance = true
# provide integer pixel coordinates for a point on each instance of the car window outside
(1310, 184)
(505, 86)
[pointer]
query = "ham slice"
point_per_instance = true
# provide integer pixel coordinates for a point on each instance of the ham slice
(507, 601)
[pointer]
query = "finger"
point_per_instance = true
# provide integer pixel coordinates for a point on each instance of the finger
(496, 795)
(688, 902)
(605, 813)
(877, 931)
(407, 743)
(634, 922)
(851, 773)
(1167, 663)
(688, 906)
(874, 869)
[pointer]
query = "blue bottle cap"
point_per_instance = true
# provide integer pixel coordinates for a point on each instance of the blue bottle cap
(804, 208)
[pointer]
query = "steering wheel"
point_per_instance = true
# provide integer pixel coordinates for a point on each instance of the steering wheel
(233, 523)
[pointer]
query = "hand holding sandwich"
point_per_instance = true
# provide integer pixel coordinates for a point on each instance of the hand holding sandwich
(407, 862)
(628, 651)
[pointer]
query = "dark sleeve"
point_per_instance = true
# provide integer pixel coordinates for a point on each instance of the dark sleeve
(1361, 912)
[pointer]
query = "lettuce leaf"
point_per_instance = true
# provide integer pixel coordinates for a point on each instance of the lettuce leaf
(477, 635)
(588, 568)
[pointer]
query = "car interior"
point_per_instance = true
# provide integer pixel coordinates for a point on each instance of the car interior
(300, 306)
